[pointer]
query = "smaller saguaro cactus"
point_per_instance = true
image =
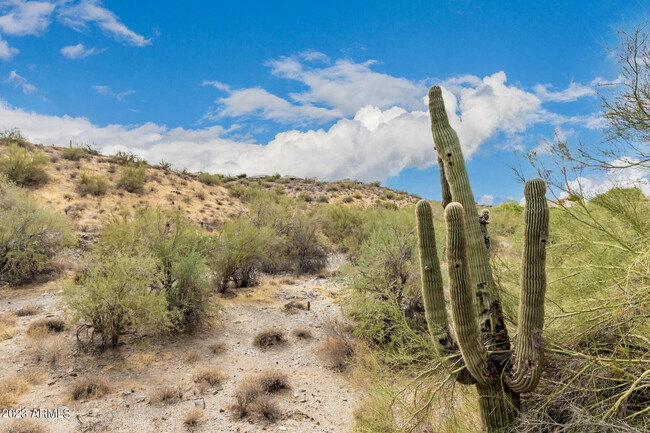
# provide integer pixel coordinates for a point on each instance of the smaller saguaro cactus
(499, 372)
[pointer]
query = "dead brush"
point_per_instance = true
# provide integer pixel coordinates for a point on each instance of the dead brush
(254, 396)
(90, 387)
(291, 307)
(218, 347)
(192, 356)
(28, 310)
(25, 426)
(7, 326)
(193, 417)
(13, 387)
(167, 395)
(48, 324)
(211, 376)
(338, 349)
(44, 347)
(303, 333)
(269, 337)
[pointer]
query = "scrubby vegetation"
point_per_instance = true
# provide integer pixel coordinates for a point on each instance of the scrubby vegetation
(92, 183)
(30, 236)
(24, 166)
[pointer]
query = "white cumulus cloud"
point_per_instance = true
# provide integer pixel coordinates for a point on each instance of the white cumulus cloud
(631, 177)
(25, 17)
(573, 92)
(486, 200)
(6, 52)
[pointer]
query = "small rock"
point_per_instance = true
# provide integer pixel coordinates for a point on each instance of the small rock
(200, 403)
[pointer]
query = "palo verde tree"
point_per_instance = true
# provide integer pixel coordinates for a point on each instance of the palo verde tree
(482, 354)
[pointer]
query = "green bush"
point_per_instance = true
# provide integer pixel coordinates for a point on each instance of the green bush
(332, 188)
(13, 137)
(90, 183)
(348, 199)
(73, 153)
(179, 252)
(23, 166)
(305, 251)
(116, 295)
(322, 199)
(306, 197)
(388, 195)
(242, 248)
(126, 158)
(210, 179)
(132, 177)
(376, 184)
(29, 235)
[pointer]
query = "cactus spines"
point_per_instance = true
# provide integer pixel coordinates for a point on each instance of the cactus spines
(463, 311)
(499, 374)
(491, 322)
(526, 362)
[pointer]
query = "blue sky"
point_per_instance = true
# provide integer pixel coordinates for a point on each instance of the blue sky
(323, 89)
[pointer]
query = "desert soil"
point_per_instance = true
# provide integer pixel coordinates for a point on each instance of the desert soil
(320, 399)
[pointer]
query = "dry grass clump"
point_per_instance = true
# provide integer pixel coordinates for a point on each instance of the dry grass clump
(218, 348)
(192, 356)
(208, 375)
(25, 426)
(7, 326)
(338, 349)
(90, 387)
(254, 396)
(15, 386)
(302, 333)
(44, 347)
(269, 337)
(167, 394)
(48, 324)
(193, 417)
(28, 310)
(291, 306)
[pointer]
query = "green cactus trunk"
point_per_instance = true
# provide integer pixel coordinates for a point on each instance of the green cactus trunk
(493, 329)
(482, 340)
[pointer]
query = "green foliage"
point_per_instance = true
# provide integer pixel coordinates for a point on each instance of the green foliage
(126, 158)
(511, 205)
(303, 247)
(210, 179)
(116, 295)
(241, 176)
(73, 153)
(179, 252)
(332, 187)
(166, 165)
(376, 184)
(322, 199)
(306, 197)
(388, 195)
(92, 183)
(345, 226)
(348, 199)
(14, 136)
(23, 166)
(29, 235)
(242, 247)
(132, 177)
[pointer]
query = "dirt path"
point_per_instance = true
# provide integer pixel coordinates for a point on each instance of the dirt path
(319, 399)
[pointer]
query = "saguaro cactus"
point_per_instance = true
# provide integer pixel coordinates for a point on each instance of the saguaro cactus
(499, 373)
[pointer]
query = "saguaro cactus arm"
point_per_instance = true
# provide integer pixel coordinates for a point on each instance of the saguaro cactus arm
(432, 290)
(492, 326)
(526, 361)
(463, 311)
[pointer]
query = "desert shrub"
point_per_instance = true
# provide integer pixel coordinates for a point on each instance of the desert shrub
(73, 153)
(306, 197)
(193, 417)
(90, 387)
(192, 356)
(167, 394)
(29, 235)
(23, 166)
(25, 426)
(512, 206)
(304, 249)
(132, 177)
(126, 158)
(388, 195)
(115, 295)
(376, 184)
(14, 136)
(210, 179)
(269, 337)
(209, 375)
(279, 189)
(90, 183)
(384, 295)
(303, 333)
(254, 395)
(48, 325)
(322, 199)
(179, 253)
(242, 247)
(218, 347)
(345, 226)
(28, 310)
(165, 165)
(348, 199)
(332, 187)
(357, 196)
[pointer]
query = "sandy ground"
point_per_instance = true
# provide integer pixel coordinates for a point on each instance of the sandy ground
(320, 399)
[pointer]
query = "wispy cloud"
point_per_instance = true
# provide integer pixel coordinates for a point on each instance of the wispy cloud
(6, 52)
(107, 91)
(574, 92)
(21, 82)
(79, 15)
(25, 17)
(79, 51)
